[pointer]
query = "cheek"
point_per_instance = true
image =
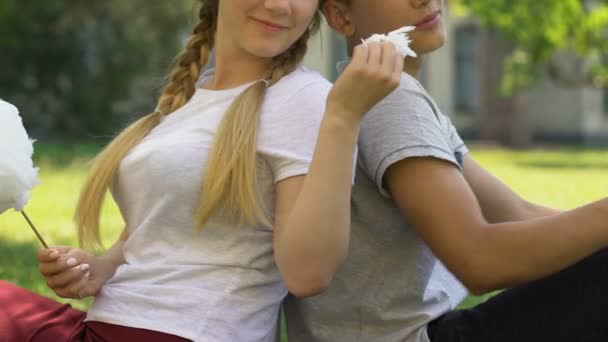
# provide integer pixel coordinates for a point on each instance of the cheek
(381, 22)
(303, 16)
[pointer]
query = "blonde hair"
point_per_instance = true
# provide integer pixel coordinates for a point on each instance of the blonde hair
(230, 183)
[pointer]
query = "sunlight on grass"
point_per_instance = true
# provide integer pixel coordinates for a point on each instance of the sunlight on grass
(561, 178)
(564, 178)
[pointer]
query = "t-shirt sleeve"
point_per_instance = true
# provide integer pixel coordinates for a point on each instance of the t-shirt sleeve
(405, 124)
(289, 133)
(458, 145)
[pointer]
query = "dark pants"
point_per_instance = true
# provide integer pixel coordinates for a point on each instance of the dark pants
(28, 317)
(570, 306)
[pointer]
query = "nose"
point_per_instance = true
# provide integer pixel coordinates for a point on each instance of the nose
(420, 3)
(278, 7)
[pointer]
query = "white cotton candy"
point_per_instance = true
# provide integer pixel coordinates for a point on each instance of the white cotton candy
(398, 37)
(17, 173)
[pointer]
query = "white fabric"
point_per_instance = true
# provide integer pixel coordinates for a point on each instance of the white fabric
(222, 284)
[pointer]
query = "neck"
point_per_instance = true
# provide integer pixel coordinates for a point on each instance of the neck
(233, 72)
(233, 69)
(412, 66)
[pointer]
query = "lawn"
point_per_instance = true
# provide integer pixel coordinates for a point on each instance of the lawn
(562, 178)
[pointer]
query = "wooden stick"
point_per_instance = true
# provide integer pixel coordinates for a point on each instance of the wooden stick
(34, 229)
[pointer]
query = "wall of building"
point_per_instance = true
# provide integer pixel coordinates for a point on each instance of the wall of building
(464, 78)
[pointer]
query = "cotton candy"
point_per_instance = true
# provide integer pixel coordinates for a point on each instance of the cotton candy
(17, 173)
(398, 37)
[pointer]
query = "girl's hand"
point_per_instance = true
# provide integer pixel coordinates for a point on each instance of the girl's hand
(72, 272)
(373, 73)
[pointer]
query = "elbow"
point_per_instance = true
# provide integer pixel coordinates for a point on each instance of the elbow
(309, 285)
(478, 288)
(479, 279)
(310, 278)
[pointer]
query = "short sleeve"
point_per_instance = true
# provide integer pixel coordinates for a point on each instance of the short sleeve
(458, 145)
(405, 124)
(290, 128)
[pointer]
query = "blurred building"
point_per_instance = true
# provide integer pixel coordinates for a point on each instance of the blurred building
(464, 78)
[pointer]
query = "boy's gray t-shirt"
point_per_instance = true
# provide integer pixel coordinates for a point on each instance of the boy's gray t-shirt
(391, 285)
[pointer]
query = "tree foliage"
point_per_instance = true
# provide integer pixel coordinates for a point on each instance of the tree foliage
(541, 30)
(81, 67)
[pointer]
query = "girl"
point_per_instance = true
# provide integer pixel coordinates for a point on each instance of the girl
(272, 211)
(420, 201)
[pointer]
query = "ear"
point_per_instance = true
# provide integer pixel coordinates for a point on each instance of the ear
(339, 17)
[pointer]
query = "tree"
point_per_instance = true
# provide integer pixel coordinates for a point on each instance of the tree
(566, 40)
(541, 30)
(80, 68)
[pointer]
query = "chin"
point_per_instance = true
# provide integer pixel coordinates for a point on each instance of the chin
(426, 45)
(266, 50)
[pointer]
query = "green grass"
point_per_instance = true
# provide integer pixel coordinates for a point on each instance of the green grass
(563, 178)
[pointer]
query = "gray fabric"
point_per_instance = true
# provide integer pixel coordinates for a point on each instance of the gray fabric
(391, 285)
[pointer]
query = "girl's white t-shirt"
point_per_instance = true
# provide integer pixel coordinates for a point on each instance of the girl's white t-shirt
(221, 284)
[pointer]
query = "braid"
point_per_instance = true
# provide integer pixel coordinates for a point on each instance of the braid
(289, 60)
(190, 63)
(230, 185)
(176, 94)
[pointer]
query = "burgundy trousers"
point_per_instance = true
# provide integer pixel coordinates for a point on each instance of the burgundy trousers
(29, 317)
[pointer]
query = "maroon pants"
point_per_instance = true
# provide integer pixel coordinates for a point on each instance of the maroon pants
(28, 317)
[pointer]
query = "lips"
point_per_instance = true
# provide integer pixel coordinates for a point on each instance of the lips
(271, 25)
(429, 20)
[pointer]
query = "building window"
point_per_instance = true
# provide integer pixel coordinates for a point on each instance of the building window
(466, 73)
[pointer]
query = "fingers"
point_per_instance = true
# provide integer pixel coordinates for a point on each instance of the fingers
(75, 290)
(374, 57)
(389, 54)
(381, 58)
(52, 253)
(370, 76)
(59, 260)
(360, 55)
(398, 68)
(68, 277)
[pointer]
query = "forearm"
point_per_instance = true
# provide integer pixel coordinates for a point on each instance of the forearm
(314, 237)
(510, 254)
(114, 256)
(536, 211)
(497, 201)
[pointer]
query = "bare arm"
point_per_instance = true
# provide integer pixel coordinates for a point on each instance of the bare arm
(498, 202)
(312, 213)
(434, 196)
(115, 257)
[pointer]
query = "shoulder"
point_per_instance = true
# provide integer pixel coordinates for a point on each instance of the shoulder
(409, 91)
(301, 79)
(405, 105)
(301, 94)
(291, 116)
(296, 104)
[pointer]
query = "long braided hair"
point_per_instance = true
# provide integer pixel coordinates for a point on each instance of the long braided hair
(230, 181)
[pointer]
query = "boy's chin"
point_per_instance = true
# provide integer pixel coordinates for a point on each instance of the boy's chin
(429, 46)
